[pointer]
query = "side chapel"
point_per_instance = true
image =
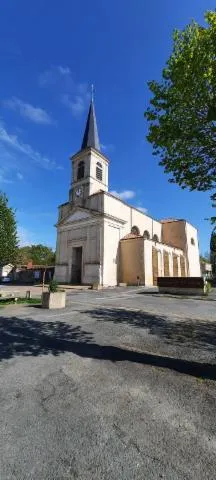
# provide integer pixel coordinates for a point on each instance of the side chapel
(101, 239)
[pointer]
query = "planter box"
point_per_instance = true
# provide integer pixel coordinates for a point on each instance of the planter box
(53, 300)
(96, 286)
(181, 285)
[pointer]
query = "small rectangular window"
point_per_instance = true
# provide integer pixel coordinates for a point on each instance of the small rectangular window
(99, 173)
(81, 170)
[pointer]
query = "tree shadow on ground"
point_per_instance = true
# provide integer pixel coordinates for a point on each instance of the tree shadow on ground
(34, 337)
(28, 337)
(181, 332)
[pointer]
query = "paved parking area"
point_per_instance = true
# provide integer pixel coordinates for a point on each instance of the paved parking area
(119, 385)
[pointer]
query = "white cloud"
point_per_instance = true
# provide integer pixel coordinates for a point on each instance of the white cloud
(6, 172)
(77, 104)
(109, 147)
(64, 70)
(124, 195)
(12, 141)
(28, 237)
(20, 176)
(46, 78)
(25, 237)
(59, 76)
(142, 209)
(25, 215)
(3, 177)
(73, 95)
(34, 114)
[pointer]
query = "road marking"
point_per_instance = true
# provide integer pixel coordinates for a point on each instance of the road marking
(122, 295)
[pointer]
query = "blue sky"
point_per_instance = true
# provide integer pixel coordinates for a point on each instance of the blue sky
(51, 52)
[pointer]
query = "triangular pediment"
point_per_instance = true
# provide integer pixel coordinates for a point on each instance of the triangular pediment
(77, 216)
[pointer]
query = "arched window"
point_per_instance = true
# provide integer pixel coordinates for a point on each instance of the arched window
(192, 241)
(80, 170)
(155, 238)
(135, 230)
(99, 171)
(146, 235)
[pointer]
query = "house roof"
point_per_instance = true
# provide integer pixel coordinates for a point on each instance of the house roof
(35, 267)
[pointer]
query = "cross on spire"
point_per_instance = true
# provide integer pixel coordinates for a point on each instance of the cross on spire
(92, 92)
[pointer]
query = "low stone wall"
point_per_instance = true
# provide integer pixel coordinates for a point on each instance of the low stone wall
(181, 285)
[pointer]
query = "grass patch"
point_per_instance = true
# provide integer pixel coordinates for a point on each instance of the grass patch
(20, 301)
(200, 380)
(207, 288)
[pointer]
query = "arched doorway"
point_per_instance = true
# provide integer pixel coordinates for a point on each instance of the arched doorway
(76, 273)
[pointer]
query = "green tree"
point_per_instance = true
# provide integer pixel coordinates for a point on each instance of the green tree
(24, 255)
(8, 232)
(182, 111)
(42, 255)
(213, 251)
(38, 254)
(204, 259)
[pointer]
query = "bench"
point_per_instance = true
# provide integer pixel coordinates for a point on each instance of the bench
(4, 295)
(13, 295)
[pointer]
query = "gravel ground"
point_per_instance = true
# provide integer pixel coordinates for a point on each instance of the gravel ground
(119, 385)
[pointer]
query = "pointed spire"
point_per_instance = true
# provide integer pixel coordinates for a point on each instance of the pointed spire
(91, 138)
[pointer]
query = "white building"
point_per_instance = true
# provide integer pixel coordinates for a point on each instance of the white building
(101, 239)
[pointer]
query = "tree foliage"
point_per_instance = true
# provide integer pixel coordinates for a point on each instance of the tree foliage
(204, 259)
(213, 251)
(38, 254)
(8, 232)
(182, 111)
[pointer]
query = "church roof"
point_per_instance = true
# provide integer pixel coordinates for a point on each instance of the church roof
(170, 220)
(91, 138)
(131, 235)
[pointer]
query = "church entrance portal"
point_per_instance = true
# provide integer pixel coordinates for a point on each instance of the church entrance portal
(76, 274)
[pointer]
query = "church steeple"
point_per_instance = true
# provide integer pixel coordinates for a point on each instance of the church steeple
(91, 138)
(89, 165)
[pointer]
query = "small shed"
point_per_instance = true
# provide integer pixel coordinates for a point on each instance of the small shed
(206, 269)
(33, 273)
(5, 270)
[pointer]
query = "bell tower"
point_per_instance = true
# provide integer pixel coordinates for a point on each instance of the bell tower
(89, 165)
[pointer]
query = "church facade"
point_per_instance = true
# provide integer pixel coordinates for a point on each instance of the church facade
(102, 240)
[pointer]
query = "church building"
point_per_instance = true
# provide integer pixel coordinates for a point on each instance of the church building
(103, 240)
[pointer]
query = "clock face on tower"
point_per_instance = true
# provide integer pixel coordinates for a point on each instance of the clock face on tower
(78, 192)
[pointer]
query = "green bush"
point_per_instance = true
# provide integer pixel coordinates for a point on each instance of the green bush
(53, 286)
(207, 287)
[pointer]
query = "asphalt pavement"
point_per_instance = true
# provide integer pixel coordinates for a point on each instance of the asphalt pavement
(119, 385)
